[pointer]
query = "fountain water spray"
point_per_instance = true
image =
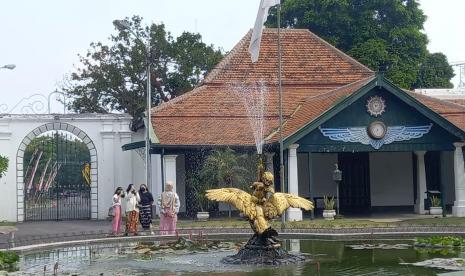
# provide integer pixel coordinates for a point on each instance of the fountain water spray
(253, 97)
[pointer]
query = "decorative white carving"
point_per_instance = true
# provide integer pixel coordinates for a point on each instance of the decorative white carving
(376, 106)
(360, 134)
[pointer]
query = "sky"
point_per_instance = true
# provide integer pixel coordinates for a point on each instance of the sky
(43, 38)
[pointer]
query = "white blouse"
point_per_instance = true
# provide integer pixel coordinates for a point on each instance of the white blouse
(116, 200)
(132, 201)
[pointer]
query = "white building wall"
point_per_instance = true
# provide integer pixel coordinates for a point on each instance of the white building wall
(14, 128)
(447, 176)
(391, 178)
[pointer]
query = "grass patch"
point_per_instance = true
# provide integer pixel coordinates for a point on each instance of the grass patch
(434, 222)
(236, 222)
(7, 223)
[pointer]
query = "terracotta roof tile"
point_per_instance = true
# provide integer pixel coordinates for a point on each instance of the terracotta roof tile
(453, 112)
(306, 59)
(315, 76)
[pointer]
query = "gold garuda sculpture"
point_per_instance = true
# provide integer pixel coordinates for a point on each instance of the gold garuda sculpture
(261, 206)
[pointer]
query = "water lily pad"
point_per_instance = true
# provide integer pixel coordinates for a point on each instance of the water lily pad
(455, 264)
(379, 246)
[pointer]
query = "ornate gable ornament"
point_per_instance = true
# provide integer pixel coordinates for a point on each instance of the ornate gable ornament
(376, 106)
(361, 134)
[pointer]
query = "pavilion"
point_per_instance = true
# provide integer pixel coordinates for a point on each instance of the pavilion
(392, 145)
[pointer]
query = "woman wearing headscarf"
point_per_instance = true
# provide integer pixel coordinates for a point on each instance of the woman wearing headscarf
(116, 223)
(169, 207)
(132, 210)
(145, 207)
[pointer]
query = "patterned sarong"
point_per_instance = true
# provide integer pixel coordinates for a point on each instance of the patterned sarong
(132, 218)
(145, 216)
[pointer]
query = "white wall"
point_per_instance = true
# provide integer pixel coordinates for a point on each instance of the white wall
(108, 132)
(391, 178)
(447, 176)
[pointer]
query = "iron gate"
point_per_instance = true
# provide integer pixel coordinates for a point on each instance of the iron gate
(57, 178)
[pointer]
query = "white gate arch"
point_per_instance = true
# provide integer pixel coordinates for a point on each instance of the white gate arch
(104, 135)
(93, 164)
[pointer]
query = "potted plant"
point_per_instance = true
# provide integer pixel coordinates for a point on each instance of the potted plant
(329, 212)
(199, 188)
(436, 208)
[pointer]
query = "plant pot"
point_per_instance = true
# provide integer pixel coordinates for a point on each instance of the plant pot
(329, 214)
(203, 216)
(435, 210)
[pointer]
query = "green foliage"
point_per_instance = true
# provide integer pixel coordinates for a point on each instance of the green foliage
(435, 201)
(8, 260)
(71, 153)
(329, 202)
(113, 77)
(3, 165)
(223, 168)
(435, 72)
(385, 35)
(440, 241)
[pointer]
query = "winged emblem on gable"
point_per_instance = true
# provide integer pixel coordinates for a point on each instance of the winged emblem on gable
(360, 134)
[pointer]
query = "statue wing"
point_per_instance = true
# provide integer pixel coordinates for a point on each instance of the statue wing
(237, 198)
(280, 202)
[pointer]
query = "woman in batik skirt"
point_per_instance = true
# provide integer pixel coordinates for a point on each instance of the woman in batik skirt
(145, 207)
(132, 210)
(169, 207)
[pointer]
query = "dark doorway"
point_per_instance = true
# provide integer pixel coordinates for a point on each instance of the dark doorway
(354, 190)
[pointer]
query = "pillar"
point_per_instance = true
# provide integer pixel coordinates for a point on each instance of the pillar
(458, 210)
(421, 183)
(269, 162)
(106, 170)
(169, 162)
(293, 214)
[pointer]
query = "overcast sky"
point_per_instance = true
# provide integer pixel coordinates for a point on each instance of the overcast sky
(44, 37)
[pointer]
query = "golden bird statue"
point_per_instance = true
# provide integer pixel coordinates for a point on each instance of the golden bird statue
(262, 205)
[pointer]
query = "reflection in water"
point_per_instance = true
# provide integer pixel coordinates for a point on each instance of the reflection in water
(327, 258)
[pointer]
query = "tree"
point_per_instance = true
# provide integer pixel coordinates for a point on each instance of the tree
(435, 72)
(113, 77)
(385, 35)
(3, 165)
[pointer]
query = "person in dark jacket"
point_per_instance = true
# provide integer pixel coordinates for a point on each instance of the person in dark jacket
(145, 207)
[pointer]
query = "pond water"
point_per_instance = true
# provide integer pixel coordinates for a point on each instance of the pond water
(326, 258)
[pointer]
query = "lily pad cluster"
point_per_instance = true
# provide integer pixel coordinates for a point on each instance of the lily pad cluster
(8, 261)
(439, 242)
(456, 264)
(379, 246)
(184, 245)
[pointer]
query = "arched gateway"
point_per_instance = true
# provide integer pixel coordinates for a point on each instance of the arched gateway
(57, 174)
(65, 166)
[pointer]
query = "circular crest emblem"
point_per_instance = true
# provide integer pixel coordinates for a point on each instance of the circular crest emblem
(376, 106)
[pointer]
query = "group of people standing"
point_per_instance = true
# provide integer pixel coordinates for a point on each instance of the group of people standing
(139, 206)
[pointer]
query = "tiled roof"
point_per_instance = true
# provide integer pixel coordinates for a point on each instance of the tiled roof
(453, 112)
(306, 59)
(315, 77)
(457, 101)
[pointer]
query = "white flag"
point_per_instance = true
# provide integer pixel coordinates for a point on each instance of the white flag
(254, 47)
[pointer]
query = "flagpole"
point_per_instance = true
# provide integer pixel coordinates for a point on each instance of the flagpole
(281, 147)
